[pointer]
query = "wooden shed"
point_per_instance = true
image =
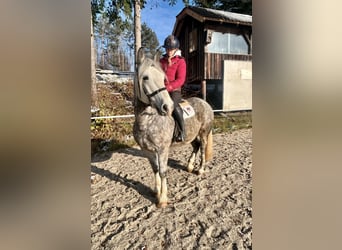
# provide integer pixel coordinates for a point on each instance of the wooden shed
(217, 46)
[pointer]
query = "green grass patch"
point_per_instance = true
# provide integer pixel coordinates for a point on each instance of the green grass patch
(228, 122)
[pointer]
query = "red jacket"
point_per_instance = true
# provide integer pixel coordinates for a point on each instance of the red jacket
(175, 73)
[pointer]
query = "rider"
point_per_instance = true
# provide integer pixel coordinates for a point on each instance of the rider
(174, 67)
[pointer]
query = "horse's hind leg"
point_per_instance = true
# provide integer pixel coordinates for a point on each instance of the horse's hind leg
(195, 148)
(203, 145)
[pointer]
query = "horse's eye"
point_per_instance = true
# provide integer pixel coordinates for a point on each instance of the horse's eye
(145, 78)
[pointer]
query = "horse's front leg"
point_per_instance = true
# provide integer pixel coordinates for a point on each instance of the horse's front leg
(153, 159)
(157, 186)
(162, 163)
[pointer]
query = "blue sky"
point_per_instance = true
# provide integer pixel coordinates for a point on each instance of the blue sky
(161, 18)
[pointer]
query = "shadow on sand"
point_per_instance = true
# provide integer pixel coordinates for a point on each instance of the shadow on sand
(104, 156)
(142, 189)
(175, 164)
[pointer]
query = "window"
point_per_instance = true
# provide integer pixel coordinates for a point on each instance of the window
(238, 44)
(227, 43)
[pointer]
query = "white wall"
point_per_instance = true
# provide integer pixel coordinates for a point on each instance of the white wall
(237, 85)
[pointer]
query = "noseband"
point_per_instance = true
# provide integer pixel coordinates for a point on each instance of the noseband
(154, 92)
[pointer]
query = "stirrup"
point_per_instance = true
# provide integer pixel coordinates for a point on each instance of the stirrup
(180, 137)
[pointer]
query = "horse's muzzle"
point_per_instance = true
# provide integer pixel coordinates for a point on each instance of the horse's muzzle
(166, 109)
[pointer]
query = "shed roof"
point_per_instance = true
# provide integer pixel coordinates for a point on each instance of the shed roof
(206, 14)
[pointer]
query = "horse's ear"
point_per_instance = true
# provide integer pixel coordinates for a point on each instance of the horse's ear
(158, 54)
(140, 55)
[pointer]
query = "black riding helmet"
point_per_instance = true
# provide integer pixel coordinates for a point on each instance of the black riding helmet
(171, 42)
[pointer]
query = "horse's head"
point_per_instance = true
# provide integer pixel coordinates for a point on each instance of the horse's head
(149, 84)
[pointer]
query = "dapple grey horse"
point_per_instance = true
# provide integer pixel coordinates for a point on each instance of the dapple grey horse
(154, 125)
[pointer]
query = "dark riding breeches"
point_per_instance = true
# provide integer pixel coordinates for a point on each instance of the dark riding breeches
(178, 114)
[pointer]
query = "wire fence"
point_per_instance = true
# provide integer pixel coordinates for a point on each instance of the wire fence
(130, 116)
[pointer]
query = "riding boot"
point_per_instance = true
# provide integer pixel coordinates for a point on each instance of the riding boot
(178, 115)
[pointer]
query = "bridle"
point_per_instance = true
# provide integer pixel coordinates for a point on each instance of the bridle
(153, 93)
(149, 95)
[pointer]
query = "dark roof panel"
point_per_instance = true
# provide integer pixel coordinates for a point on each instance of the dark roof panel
(203, 14)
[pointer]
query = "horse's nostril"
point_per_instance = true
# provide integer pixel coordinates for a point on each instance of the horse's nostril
(164, 108)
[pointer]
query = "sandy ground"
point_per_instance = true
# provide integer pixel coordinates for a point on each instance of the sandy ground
(212, 211)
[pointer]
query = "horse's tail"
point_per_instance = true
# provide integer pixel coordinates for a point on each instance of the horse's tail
(209, 147)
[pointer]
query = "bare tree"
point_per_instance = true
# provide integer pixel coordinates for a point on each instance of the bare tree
(137, 28)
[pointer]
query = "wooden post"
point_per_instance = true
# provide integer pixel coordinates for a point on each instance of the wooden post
(204, 90)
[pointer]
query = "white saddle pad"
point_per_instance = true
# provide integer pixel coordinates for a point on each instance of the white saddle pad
(188, 110)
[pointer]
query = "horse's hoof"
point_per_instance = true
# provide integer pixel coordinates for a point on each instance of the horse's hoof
(162, 205)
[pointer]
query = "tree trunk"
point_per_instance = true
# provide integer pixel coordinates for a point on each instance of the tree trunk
(94, 101)
(102, 59)
(137, 29)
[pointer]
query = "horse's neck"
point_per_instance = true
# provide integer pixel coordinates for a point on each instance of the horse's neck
(139, 106)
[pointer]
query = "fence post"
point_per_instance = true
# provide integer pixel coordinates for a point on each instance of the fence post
(204, 90)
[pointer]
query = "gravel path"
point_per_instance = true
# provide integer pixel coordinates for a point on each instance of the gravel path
(212, 211)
